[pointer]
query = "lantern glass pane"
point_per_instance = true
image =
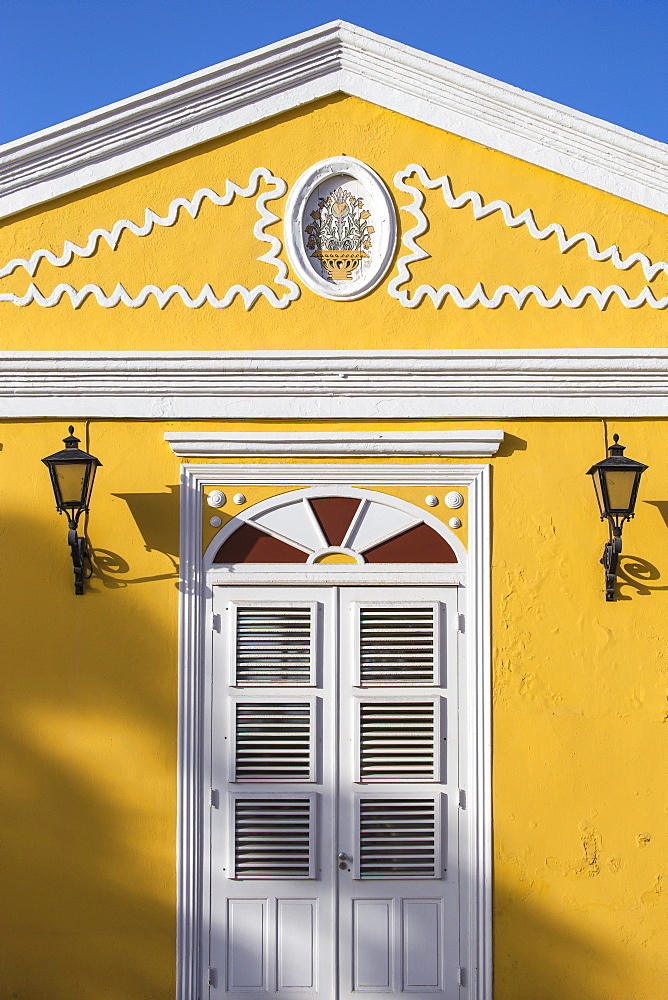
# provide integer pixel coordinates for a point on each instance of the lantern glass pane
(71, 476)
(599, 492)
(620, 488)
(89, 485)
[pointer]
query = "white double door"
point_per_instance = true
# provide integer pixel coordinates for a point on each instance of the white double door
(334, 819)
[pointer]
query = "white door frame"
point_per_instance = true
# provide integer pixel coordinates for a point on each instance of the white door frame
(194, 605)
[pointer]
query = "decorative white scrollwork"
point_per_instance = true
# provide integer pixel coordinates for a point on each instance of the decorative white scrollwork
(519, 295)
(340, 234)
(276, 189)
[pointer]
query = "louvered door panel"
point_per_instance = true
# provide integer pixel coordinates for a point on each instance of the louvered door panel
(273, 811)
(273, 741)
(398, 838)
(398, 900)
(398, 741)
(397, 646)
(274, 646)
(334, 829)
(273, 837)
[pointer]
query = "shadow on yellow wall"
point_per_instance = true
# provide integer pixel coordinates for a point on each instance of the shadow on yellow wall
(88, 764)
(157, 517)
(539, 958)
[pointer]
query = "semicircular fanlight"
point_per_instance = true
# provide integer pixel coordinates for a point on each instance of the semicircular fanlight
(306, 530)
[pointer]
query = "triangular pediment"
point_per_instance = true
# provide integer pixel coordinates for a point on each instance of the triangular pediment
(335, 58)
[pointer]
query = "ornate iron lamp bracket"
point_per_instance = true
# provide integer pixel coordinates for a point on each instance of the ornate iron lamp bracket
(81, 561)
(609, 560)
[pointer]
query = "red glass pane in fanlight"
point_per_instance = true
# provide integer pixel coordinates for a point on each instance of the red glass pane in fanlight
(420, 544)
(335, 515)
(250, 545)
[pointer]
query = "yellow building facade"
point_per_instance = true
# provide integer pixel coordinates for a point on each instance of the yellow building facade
(504, 316)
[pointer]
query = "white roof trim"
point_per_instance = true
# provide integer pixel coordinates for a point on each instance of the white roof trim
(337, 57)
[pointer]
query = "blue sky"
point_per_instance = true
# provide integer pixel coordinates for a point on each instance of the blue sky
(63, 58)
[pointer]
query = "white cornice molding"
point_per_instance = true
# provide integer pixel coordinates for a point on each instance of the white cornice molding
(463, 444)
(233, 385)
(337, 57)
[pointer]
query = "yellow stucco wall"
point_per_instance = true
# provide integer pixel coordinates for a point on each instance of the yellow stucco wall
(88, 759)
(90, 701)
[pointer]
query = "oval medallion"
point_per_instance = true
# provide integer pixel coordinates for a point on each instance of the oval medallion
(340, 229)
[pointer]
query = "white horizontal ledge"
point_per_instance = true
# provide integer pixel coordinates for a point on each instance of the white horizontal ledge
(465, 407)
(445, 444)
(361, 385)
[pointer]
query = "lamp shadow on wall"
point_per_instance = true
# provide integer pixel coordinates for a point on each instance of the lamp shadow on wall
(639, 573)
(157, 518)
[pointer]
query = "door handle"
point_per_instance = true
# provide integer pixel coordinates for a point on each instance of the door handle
(343, 859)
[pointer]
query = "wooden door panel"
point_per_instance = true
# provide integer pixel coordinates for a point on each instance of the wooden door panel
(398, 814)
(335, 758)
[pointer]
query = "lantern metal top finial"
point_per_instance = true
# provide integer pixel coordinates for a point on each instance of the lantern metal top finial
(616, 449)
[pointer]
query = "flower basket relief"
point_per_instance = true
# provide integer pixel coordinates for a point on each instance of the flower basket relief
(340, 233)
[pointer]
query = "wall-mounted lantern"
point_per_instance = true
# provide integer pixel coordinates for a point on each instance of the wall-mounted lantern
(72, 473)
(616, 480)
